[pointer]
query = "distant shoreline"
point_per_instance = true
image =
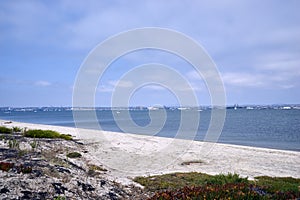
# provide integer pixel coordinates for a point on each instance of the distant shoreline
(70, 108)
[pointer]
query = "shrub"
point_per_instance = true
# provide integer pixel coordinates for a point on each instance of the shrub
(74, 155)
(66, 137)
(4, 129)
(46, 134)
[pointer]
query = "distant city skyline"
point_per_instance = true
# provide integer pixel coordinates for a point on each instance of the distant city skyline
(254, 44)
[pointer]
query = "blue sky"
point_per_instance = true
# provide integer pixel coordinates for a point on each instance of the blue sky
(255, 45)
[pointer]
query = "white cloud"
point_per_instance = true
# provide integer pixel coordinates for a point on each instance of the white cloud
(111, 85)
(256, 80)
(42, 83)
(282, 62)
(123, 84)
(154, 87)
(243, 79)
(193, 75)
(273, 69)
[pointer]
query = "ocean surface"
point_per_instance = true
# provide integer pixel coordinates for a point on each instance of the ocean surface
(269, 128)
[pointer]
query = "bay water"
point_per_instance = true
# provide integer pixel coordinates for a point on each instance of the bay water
(269, 128)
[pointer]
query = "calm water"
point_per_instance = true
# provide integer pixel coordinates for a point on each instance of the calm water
(278, 129)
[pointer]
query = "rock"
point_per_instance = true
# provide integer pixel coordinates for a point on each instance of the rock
(36, 173)
(102, 183)
(26, 194)
(45, 173)
(62, 169)
(112, 196)
(59, 188)
(4, 190)
(85, 186)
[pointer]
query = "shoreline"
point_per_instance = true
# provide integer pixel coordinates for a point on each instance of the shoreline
(107, 131)
(130, 155)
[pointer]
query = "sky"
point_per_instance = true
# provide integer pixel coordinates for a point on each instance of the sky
(254, 44)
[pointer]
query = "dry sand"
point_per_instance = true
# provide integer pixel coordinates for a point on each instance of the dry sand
(130, 155)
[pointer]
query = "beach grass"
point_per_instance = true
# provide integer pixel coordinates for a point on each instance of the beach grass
(4, 129)
(38, 133)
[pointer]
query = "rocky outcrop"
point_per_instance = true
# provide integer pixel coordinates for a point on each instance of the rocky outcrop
(39, 169)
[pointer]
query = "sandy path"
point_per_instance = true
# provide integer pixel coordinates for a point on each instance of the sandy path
(128, 155)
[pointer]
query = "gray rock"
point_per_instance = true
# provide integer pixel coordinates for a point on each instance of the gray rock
(46, 173)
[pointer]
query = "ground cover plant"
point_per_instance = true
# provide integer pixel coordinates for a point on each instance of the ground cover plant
(231, 186)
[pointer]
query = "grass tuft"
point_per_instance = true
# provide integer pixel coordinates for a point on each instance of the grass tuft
(16, 129)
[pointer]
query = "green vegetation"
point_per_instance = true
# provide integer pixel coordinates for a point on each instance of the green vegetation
(74, 155)
(222, 179)
(38, 133)
(13, 144)
(16, 129)
(172, 181)
(34, 144)
(279, 183)
(224, 192)
(231, 186)
(59, 198)
(4, 129)
(96, 168)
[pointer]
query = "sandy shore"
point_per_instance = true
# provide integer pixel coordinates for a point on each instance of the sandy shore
(129, 155)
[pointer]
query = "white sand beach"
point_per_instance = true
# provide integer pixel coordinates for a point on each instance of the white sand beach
(130, 155)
